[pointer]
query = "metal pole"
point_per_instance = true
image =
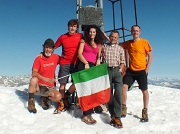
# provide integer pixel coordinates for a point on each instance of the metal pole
(80, 4)
(101, 6)
(96, 3)
(77, 9)
(114, 27)
(135, 12)
(63, 76)
(122, 21)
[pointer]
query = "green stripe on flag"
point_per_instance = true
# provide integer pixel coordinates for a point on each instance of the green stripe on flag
(89, 74)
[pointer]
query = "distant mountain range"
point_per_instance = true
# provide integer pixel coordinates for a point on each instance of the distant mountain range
(165, 82)
(16, 81)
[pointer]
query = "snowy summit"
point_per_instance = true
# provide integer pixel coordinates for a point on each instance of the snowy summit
(164, 116)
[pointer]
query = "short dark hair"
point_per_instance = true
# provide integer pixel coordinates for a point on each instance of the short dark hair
(135, 26)
(73, 22)
(114, 31)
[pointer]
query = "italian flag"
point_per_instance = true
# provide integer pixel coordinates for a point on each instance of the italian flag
(92, 86)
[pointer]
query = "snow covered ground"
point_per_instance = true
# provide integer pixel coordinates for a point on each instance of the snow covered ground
(164, 115)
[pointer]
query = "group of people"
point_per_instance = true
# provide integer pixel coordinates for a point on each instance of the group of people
(82, 52)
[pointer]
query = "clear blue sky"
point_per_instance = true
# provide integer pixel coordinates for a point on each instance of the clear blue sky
(25, 24)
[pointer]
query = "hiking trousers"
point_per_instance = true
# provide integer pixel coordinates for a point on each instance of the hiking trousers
(115, 102)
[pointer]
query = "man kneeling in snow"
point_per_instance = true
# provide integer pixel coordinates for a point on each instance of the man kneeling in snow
(43, 77)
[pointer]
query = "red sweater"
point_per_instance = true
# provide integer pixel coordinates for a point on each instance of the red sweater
(70, 45)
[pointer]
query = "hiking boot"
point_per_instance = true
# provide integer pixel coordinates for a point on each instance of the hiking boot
(116, 122)
(60, 106)
(66, 101)
(88, 119)
(112, 122)
(124, 111)
(144, 115)
(44, 102)
(31, 105)
(98, 109)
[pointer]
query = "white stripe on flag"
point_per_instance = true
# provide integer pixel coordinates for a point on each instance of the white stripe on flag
(93, 86)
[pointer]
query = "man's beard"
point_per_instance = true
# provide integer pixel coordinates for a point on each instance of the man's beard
(47, 54)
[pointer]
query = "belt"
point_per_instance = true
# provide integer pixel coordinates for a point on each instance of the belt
(113, 67)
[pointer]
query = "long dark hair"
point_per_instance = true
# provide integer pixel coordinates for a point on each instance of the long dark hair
(99, 38)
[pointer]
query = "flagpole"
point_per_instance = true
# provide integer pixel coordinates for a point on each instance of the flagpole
(64, 76)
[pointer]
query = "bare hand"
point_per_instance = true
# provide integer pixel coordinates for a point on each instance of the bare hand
(146, 71)
(86, 66)
(82, 41)
(50, 80)
(123, 71)
(39, 55)
(98, 62)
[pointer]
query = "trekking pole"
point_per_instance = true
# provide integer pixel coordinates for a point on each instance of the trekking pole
(75, 102)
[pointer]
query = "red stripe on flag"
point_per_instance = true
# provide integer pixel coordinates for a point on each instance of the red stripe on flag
(94, 100)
